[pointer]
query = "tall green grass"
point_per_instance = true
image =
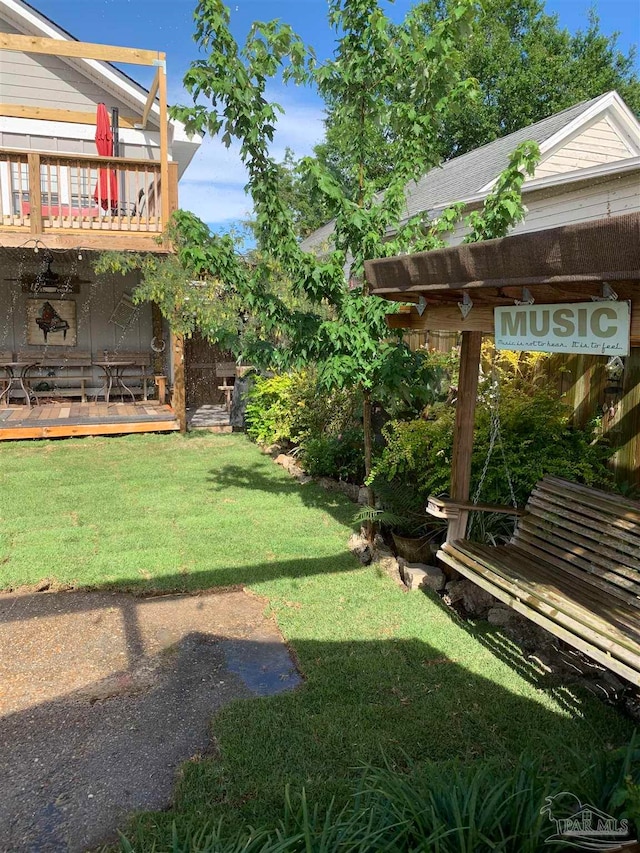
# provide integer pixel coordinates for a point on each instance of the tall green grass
(435, 808)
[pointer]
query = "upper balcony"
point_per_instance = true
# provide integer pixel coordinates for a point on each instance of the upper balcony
(61, 200)
(55, 189)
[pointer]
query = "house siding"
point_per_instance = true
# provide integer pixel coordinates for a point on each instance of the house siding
(45, 81)
(94, 306)
(599, 143)
(66, 145)
(551, 208)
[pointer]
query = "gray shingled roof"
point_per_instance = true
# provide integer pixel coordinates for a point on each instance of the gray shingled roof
(464, 176)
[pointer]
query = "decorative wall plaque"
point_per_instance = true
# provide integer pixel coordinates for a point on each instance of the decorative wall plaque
(51, 322)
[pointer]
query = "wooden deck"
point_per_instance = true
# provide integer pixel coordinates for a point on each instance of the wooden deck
(212, 418)
(63, 420)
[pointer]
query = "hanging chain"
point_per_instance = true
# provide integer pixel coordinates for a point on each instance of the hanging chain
(495, 435)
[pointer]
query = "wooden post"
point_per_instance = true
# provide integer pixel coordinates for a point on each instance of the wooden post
(368, 456)
(178, 397)
(625, 432)
(173, 187)
(164, 147)
(463, 436)
(151, 99)
(35, 193)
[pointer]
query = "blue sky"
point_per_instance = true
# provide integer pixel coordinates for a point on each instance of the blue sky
(213, 186)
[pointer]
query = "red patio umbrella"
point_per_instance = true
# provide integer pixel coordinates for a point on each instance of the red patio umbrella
(106, 191)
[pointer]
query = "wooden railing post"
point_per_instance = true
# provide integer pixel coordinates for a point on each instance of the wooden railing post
(35, 194)
(463, 436)
(164, 146)
(173, 187)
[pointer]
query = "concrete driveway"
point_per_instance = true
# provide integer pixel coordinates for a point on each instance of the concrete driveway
(103, 696)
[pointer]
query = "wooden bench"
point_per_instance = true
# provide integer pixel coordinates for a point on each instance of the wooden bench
(226, 370)
(65, 372)
(572, 566)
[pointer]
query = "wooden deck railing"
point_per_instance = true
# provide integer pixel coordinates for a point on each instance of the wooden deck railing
(44, 192)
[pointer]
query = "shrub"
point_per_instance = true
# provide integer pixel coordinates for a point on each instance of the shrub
(291, 407)
(268, 413)
(536, 438)
(338, 456)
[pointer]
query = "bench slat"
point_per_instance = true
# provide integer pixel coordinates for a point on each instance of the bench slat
(625, 539)
(618, 504)
(558, 587)
(603, 604)
(627, 666)
(498, 562)
(540, 549)
(575, 547)
(593, 512)
(595, 541)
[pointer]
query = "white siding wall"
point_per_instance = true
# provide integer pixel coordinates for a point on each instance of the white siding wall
(550, 209)
(45, 81)
(94, 305)
(599, 143)
(66, 145)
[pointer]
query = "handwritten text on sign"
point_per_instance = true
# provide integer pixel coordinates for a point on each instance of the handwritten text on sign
(595, 328)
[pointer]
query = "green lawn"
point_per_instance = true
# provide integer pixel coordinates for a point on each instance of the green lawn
(387, 673)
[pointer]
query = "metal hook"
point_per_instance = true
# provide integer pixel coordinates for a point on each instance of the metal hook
(527, 297)
(608, 294)
(466, 305)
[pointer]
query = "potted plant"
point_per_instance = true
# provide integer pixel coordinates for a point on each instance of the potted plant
(401, 512)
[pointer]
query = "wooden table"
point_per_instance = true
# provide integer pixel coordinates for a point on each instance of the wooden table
(10, 368)
(114, 375)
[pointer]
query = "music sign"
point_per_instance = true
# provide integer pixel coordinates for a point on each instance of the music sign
(590, 328)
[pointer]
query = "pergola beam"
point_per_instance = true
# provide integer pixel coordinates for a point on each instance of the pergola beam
(583, 253)
(80, 49)
(448, 318)
(444, 318)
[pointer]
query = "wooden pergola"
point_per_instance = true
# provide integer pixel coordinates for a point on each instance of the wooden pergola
(457, 289)
(572, 565)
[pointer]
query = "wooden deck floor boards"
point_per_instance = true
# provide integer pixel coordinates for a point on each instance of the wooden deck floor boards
(60, 420)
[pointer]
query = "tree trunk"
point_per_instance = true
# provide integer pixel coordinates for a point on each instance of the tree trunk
(178, 397)
(368, 456)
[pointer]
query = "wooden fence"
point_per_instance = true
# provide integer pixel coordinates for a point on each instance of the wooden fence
(583, 382)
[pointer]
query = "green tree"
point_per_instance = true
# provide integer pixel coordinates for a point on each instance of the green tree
(286, 308)
(527, 67)
(350, 346)
(339, 328)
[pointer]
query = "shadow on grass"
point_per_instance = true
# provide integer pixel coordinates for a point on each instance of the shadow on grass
(254, 478)
(394, 700)
(510, 653)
